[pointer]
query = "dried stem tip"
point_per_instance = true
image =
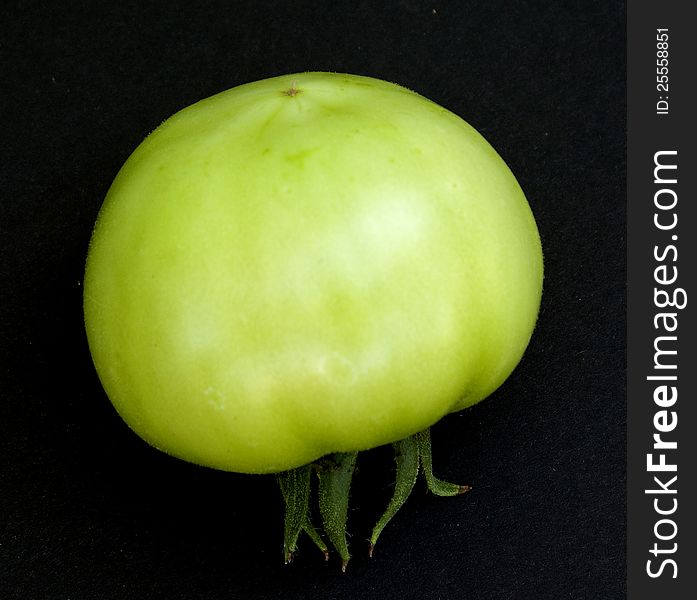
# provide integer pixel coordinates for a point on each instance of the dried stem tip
(293, 90)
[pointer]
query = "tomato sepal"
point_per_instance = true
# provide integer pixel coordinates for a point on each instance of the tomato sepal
(436, 486)
(295, 488)
(335, 474)
(407, 463)
(334, 487)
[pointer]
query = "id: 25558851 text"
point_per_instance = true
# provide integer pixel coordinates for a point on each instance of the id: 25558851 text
(662, 83)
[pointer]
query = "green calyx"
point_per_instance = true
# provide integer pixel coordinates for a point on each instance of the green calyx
(334, 474)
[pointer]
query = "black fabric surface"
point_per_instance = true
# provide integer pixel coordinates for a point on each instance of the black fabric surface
(88, 511)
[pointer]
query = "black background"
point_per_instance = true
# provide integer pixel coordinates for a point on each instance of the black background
(89, 511)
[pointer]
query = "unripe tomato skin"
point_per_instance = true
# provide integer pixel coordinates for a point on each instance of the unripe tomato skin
(307, 264)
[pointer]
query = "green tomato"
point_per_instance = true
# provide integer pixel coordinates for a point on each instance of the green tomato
(308, 264)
